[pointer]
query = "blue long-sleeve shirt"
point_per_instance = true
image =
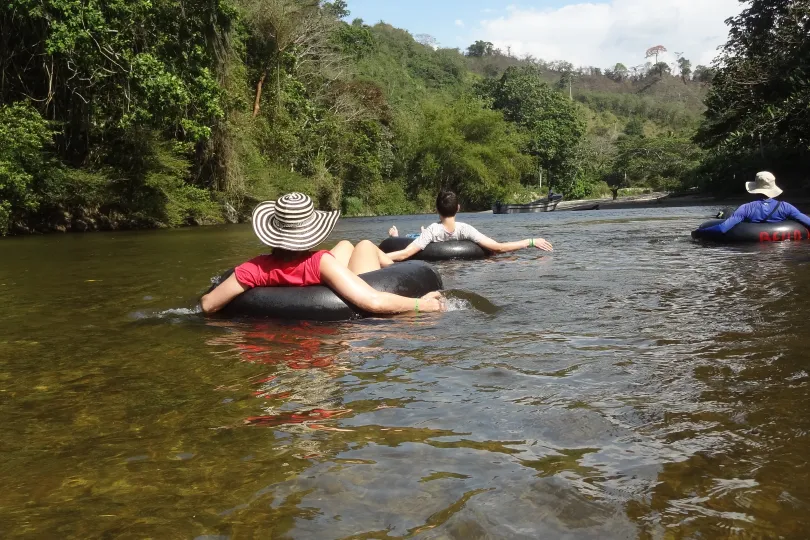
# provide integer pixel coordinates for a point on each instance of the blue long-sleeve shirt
(757, 211)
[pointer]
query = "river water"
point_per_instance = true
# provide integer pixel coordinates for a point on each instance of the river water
(633, 384)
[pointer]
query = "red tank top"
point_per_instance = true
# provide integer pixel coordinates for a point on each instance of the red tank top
(273, 271)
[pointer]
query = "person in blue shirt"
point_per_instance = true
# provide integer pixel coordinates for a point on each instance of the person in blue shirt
(765, 210)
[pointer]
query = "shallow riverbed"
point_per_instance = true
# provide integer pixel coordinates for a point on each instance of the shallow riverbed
(631, 384)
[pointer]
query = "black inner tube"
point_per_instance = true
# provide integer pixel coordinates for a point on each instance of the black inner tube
(437, 251)
(320, 303)
(754, 232)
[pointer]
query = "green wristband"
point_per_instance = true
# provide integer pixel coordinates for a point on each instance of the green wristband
(531, 242)
(417, 306)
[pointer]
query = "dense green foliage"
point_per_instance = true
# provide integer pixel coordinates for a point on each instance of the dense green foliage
(662, 163)
(23, 137)
(151, 113)
(552, 122)
(757, 115)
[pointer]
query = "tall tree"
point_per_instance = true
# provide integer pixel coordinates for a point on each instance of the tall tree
(552, 121)
(703, 74)
(427, 40)
(761, 91)
(480, 49)
(566, 82)
(561, 66)
(661, 69)
(339, 9)
(467, 148)
(685, 67)
(618, 73)
(294, 34)
(654, 52)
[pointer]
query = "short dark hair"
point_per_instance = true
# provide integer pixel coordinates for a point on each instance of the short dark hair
(446, 203)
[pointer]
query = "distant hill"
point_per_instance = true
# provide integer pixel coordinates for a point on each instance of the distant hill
(656, 102)
(403, 66)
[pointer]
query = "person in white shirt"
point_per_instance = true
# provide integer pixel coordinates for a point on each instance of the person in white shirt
(449, 229)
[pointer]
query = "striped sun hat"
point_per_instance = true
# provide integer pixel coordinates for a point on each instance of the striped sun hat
(292, 223)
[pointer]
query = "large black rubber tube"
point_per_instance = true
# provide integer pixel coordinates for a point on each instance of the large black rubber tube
(320, 303)
(754, 232)
(437, 251)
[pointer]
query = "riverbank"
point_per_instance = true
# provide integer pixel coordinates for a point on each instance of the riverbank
(113, 222)
(661, 200)
(646, 200)
(668, 200)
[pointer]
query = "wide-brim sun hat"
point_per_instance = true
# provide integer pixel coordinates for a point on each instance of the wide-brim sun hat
(765, 184)
(292, 223)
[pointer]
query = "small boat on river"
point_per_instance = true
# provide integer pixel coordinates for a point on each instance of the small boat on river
(546, 204)
(584, 207)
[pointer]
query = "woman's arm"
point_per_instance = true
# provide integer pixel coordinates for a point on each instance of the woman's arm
(505, 247)
(353, 289)
(223, 293)
(425, 238)
(406, 253)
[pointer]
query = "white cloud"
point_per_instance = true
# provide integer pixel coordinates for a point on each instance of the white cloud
(459, 22)
(591, 34)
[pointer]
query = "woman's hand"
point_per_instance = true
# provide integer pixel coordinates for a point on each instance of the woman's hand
(222, 294)
(541, 243)
(432, 301)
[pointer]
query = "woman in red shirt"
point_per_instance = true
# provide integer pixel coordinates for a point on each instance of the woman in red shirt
(292, 226)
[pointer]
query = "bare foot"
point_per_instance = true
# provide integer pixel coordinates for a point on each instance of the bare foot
(393, 231)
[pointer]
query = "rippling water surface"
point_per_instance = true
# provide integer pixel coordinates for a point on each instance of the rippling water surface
(633, 384)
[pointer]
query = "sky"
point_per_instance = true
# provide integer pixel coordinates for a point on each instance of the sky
(595, 33)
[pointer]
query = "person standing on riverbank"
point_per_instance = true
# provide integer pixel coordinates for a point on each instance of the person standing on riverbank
(449, 229)
(292, 227)
(764, 210)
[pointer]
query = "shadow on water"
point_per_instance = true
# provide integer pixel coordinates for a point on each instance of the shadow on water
(631, 384)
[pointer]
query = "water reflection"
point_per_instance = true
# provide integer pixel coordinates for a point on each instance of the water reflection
(379, 456)
(302, 389)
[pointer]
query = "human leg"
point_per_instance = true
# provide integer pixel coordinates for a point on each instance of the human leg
(343, 252)
(365, 258)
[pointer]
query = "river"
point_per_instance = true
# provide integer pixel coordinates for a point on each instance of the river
(633, 384)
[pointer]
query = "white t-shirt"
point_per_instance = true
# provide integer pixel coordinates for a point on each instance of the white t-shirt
(437, 233)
